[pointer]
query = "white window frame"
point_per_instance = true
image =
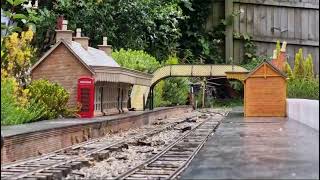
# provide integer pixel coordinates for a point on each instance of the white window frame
(97, 98)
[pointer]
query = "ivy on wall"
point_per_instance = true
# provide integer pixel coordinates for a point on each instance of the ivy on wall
(249, 46)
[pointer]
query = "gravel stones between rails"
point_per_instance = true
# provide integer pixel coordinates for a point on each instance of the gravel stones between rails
(122, 150)
(58, 164)
(139, 150)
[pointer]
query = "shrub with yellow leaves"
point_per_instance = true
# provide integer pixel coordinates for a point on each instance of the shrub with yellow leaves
(16, 56)
(17, 109)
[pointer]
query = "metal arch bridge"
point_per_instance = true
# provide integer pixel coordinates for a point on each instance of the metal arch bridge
(140, 93)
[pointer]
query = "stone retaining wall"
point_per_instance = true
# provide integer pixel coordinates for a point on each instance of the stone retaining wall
(305, 111)
(32, 144)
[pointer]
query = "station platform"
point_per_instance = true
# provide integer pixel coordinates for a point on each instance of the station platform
(13, 130)
(254, 148)
(37, 138)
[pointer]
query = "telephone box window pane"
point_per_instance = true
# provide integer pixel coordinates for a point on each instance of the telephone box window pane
(85, 99)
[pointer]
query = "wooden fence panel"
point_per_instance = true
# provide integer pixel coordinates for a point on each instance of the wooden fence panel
(294, 21)
(216, 14)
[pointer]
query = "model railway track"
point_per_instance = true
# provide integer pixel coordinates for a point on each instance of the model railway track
(170, 162)
(60, 163)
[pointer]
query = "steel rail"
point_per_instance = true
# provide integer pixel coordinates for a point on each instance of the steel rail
(185, 165)
(75, 159)
(156, 157)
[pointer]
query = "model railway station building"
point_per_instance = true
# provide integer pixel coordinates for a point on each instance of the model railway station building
(73, 64)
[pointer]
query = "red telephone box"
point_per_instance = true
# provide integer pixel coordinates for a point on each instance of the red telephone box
(86, 96)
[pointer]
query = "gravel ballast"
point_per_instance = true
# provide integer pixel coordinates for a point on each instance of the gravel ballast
(139, 150)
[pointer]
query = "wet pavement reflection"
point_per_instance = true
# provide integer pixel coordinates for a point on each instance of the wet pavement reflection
(253, 148)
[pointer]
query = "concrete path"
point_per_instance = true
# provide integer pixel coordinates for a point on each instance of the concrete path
(253, 148)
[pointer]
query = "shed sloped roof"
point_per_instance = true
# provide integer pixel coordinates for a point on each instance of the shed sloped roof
(270, 65)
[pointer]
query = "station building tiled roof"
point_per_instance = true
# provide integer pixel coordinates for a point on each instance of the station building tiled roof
(92, 56)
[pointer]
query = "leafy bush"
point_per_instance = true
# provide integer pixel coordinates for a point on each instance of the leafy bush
(44, 37)
(197, 41)
(16, 55)
(237, 86)
(303, 67)
(137, 60)
(254, 62)
(52, 97)
(298, 70)
(303, 88)
(158, 95)
(13, 110)
(175, 89)
(151, 26)
(19, 17)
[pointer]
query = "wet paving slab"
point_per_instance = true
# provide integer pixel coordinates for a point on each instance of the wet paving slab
(254, 148)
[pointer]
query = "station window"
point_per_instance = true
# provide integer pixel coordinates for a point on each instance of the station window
(98, 98)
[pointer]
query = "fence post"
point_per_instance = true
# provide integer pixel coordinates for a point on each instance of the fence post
(229, 31)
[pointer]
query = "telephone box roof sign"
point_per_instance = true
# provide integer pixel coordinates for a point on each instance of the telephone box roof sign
(86, 96)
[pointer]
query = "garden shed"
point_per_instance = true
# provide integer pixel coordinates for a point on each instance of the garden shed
(265, 91)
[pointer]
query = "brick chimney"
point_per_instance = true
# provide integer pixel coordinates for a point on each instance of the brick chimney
(105, 47)
(282, 56)
(64, 33)
(84, 41)
(280, 60)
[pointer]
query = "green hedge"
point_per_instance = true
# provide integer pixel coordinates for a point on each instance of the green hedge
(136, 60)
